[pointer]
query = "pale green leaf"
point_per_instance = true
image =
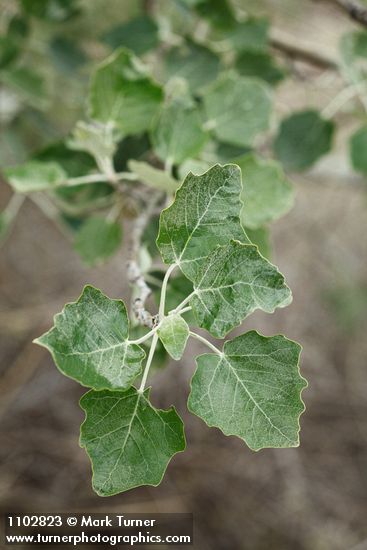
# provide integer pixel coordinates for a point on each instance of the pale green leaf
(129, 442)
(89, 342)
(97, 240)
(358, 149)
(267, 194)
(235, 281)
(237, 109)
(252, 390)
(35, 176)
(205, 213)
(302, 139)
(99, 140)
(196, 64)
(174, 332)
(153, 177)
(178, 133)
(123, 94)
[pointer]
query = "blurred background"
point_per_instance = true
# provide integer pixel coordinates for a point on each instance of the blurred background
(310, 498)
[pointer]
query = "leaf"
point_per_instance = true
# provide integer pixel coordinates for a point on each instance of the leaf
(139, 35)
(99, 140)
(52, 10)
(250, 35)
(353, 50)
(302, 139)
(97, 240)
(29, 86)
(358, 147)
(252, 390)
(267, 194)
(153, 177)
(178, 133)
(261, 65)
(195, 63)
(218, 12)
(66, 54)
(247, 109)
(174, 332)
(204, 214)
(35, 176)
(123, 94)
(235, 281)
(261, 238)
(129, 442)
(89, 342)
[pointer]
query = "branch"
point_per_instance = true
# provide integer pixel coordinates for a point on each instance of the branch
(354, 10)
(286, 44)
(135, 276)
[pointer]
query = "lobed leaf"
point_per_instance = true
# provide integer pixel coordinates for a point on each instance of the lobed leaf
(252, 390)
(235, 281)
(358, 147)
(139, 35)
(205, 213)
(89, 342)
(129, 442)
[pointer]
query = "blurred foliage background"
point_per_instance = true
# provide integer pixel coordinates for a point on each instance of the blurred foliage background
(311, 498)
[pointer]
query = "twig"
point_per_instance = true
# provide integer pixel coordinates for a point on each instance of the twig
(134, 273)
(354, 10)
(286, 44)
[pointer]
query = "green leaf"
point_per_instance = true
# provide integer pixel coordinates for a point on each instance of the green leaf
(174, 332)
(99, 140)
(261, 238)
(66, 54)
(218, 12)
(252, 390)
(358, 148)
(97, 240)
(235, 281)
(267, 194)
(9, 50)
(353, 50)
(35, 176)
(247, 109)
(205, 213)
(153, 177)
(178, 132)
(29, 86)
(123, 94)
(249, 35)
(302, 139)
(261, 65)
(52, 10)
(196, 64)
(89, 342)
(129, 442)
(139, 35)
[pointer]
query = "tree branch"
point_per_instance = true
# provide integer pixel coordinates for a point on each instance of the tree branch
(354, 10)
(135, 276)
